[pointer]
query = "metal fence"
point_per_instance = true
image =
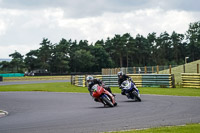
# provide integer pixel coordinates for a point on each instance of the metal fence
(141, 80)
(137, 70)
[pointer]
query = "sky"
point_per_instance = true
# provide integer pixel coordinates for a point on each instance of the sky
(24, 23)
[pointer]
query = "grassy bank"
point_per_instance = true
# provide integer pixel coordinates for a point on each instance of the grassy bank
(189, 128)
(67, 87)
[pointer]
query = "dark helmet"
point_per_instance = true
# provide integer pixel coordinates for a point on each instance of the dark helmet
(119, 74)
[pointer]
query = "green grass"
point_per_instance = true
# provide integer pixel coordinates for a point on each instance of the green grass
(189, 128)
(166, 91)
(67, 87)
(51, 87)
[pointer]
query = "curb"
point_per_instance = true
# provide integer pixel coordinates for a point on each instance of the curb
(3, 113)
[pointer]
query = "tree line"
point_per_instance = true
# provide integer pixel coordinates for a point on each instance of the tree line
(120, 51)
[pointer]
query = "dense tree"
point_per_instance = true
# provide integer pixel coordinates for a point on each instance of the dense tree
(193, 34)
(110, 49)
(101, 57)
(84, 61)
(164, 48)
(17, 61)
(120, 51)
(60, 57)
(143, 50)
(131, 51)
(31, 61)
(4, 66)
(45, 53)
(151, 38)
(119, 48)
(177, 45)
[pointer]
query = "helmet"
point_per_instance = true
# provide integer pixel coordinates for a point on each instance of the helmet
(89, 78)
(119, 73)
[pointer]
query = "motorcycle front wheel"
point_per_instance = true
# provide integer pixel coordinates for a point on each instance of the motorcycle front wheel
(108, 101)
(136, 96)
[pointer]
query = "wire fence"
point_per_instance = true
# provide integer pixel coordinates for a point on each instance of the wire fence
(137, 70)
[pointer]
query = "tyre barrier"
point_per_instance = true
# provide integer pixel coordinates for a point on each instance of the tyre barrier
(190, 80)
(141, 80)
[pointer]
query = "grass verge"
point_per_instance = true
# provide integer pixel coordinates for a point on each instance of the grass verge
(189, 128)
(166, 91)
(67, 87)
(50, 87)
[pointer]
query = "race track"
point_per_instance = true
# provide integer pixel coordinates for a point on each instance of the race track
(50, 112)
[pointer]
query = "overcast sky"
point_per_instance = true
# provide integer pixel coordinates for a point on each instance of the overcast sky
(24, 23)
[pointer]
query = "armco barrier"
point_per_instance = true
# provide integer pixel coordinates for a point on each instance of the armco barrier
(190, 80)
(141, 80)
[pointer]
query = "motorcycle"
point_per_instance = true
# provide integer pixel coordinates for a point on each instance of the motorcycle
(103, 96)
(131, 90)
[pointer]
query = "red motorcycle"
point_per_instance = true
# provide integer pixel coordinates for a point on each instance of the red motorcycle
(103, 96)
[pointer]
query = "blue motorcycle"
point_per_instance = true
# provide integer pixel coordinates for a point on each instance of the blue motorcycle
(131, 90)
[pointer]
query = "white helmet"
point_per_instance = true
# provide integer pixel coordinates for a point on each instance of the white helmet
(89, 78)
(119, 73)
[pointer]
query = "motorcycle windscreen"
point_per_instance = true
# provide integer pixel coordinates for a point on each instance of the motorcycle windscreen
(97, 90)
(126, 85)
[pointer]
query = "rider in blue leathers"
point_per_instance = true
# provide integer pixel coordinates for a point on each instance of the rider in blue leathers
(121, 78)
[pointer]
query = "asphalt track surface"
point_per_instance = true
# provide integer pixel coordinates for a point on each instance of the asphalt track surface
(32, 82)
(51, 112)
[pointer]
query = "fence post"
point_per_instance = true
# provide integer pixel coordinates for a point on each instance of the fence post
(1, 78)
(145, 69)
(71, 80)
(85, 78)
(184, 68)
(197, 68)
(152, 69)
(134, 70)
(118, 69)
(170, 69)
(173, 81)
(157, 69)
